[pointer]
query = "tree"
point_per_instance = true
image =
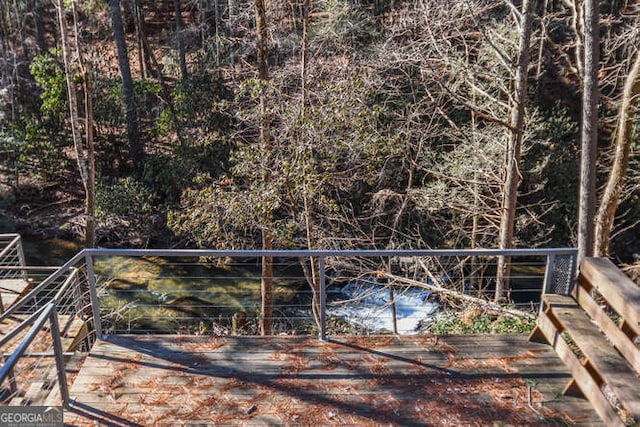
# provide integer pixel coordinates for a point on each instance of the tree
(83, 149)
(617, 176)
(514, 149)
(312, 274)
(89, 181)
(589, 132)
(177, 11)
(266, 316)
(136, 149)
(144, 56)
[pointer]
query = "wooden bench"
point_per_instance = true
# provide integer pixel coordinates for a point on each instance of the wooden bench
(601, 353)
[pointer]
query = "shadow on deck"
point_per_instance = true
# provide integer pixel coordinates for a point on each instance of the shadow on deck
(408, 380)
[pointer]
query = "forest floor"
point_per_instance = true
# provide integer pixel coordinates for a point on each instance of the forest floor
(50, 210)
(56, 211)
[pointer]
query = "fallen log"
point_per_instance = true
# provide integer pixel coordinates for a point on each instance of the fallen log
(487, 305)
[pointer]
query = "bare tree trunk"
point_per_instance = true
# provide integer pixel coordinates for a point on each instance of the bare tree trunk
(72, 95)
(543, 38)
(589, 134)
(133, 128)
(578, 23)
(216, 10)
(265, 144)
(89, 184)
(617, 175)
(83, 149)
(514, 149)
(312, 274)
(177, 10)
(144, 46)
(304, 60)
(231, 32)
(90, 208)
(137, 19)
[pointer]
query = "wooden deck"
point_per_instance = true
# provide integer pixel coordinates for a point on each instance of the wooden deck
(13, 289)
(410, 380)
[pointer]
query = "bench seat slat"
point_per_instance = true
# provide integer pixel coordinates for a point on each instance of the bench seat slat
(619, 290)
(602, 357)
(587, 385)
(618, 338)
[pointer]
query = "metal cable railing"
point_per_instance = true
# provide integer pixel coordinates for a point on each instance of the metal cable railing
(364, 292)
(29, 377)
(11, 255)
(13, 275)
(100, 292)
(33, 368)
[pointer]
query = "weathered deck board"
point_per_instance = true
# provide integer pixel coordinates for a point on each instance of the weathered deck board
(140, 380)
(12, 289)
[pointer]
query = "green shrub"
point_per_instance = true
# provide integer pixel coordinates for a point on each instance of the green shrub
(125, 198)
(474, 321)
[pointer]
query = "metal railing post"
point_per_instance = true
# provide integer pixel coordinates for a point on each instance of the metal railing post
(548, 277)
(93, 292)
(59, 356)
(323, 299)
(574, 272)
(548, 273)
(42, 316)
(21, 259)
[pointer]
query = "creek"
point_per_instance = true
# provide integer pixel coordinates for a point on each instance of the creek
(154, 294)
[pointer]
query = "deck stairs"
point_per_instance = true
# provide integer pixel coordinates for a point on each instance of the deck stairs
(596, 333)
(73, 332)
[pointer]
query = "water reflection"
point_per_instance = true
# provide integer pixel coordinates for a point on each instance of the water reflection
(153, 294)
(41, 251)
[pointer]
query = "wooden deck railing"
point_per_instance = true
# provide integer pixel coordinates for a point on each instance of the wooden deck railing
(596, 332)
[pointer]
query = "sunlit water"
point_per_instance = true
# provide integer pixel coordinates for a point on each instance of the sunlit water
(370, 306)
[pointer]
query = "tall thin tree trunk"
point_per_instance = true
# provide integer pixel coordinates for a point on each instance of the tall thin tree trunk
(304, 60)
(514, 149)
(266, 320)
(589, 134)
(136, 150)
(144, 46)
(578, 23)
(231, 32)
(177, 11)
(216, 11)
(90, 208)
(89, 184)
(137, 18)
(72, 95)
(83, 149)
(473, 278)
(617, 175)
(313, 277)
